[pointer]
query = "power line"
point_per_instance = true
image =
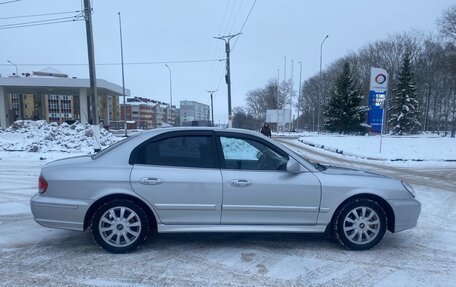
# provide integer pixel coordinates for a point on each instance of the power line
(46, 21)
(243, 25)
(11, 1)
(235, 17)
(41, 24)
(116, 64)
(39, 15)
(220, 79)
(224, 16)
(229, 18)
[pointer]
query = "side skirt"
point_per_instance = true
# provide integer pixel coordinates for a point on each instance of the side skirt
(163, 228)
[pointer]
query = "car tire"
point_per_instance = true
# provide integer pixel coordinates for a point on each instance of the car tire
(120, 226)
(359, 224)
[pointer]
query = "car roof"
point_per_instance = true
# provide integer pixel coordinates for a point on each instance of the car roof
(172, 129)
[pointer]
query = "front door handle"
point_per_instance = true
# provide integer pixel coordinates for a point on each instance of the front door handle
(240, 182)
(150, 180)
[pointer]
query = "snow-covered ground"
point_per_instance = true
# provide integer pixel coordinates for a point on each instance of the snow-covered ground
(427, 147)
(32, 255)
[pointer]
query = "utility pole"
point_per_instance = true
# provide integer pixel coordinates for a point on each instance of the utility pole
(299, 94)
(227, 76)
(91, 55)
(212, 106)
(123, 78)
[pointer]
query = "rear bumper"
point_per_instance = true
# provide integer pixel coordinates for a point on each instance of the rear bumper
(406, 213)
(59, 212)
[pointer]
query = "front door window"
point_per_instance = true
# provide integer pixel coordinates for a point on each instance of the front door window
(248, 154)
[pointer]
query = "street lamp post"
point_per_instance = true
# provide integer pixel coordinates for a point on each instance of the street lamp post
(212, 105)
(290, 126)
(319, 94)
(299, 94)
(123, 76)
(170, 96)
(17, 74)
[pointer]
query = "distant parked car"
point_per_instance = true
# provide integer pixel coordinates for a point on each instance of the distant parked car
(216, 180)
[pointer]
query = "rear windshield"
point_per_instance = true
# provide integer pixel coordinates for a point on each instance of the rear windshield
(113, 146)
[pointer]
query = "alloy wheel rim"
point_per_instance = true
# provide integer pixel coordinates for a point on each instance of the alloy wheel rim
(361, 225)
(119, 226)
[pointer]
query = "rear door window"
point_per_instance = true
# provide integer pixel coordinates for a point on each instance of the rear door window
(183, 151)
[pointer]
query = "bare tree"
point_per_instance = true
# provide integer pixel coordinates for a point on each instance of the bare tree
(261, 99)
(244, 120)
(268, 98)
(308, 103)
(447, 23)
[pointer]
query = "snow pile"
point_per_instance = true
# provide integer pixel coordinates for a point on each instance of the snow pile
(39, 136)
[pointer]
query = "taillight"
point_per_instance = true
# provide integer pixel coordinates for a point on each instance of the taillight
(42, 184)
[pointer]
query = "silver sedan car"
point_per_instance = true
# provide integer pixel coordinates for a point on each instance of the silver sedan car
(216, 180)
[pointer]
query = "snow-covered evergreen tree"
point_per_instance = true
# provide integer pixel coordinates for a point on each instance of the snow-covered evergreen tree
(403, 106)
(344, 112)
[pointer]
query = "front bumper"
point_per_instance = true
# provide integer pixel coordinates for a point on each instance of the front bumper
(406, 213)
(59, 212)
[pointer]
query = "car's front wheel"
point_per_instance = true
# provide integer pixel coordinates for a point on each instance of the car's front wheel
(120, 226)
(360, 224)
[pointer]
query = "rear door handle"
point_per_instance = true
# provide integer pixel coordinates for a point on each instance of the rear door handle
(240, 182)
(150, 180)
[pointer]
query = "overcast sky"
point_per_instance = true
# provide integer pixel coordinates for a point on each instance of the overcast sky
(182, 30)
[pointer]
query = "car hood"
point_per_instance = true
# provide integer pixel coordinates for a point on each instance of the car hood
(336, 170)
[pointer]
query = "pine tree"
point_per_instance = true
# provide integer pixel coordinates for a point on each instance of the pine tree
(344, 112)
(403, 104)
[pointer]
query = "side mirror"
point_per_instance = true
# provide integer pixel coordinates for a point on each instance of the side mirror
(293, 166)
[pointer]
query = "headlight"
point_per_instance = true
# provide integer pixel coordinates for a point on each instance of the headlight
(409, 188)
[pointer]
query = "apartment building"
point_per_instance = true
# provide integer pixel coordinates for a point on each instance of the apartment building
(194, 114)
(147, 113)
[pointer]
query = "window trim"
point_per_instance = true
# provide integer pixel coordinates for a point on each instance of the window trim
(216, 158)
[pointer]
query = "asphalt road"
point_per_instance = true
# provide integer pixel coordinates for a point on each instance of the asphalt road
(32, 255)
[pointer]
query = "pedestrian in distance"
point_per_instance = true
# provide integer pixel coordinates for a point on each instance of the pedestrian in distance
(266, 130)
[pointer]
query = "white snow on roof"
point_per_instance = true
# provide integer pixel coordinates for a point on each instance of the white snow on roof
(49, 72)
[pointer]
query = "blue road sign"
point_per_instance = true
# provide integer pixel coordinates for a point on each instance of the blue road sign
(375, 114)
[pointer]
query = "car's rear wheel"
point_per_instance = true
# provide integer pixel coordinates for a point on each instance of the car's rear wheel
(120, 226)
(360, 224)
